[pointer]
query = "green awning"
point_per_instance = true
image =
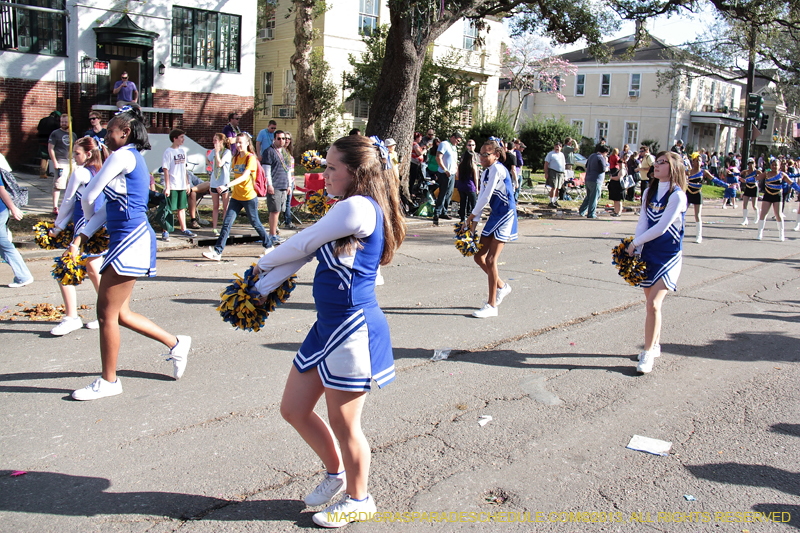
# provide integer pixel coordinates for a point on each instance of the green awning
(125, 33)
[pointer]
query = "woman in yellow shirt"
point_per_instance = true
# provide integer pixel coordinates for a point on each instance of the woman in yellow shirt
(243, 196)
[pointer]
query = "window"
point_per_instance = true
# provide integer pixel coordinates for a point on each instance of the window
(34, 31)
(470, 35)
(525, 102)
(636, 82)
(550, 85)
(367, 16)
(605, 85)
(359, 108)
(688, 88)
(268, 32)
(602, 130)
(205, 39)
(578, 124)
(266, 94)
(713, 91)
(701, 95)
(580, 84)
(632, 133)
(467, 103)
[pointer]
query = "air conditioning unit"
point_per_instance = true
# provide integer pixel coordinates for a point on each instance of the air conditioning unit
(634, 93)
(285, 112)
(266, 33)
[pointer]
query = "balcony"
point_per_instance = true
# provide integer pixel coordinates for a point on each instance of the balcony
(721, 116)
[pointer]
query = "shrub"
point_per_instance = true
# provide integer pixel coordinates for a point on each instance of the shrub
(652, 144)
(498, 126)
(539, 135)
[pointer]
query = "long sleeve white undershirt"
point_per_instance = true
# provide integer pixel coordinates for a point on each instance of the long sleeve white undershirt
(497, 175)
(120, 162)
(676, 206)
(80, 176)
(354, 217)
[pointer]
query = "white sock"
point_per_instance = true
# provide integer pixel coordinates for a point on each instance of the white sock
(745, 214)
(761, 228)
(699, 229)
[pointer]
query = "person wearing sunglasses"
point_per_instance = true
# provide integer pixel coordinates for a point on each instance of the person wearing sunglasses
(126, 91)
(659, 240)
(96, 131)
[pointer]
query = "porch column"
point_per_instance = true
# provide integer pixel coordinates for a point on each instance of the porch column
(716, 138)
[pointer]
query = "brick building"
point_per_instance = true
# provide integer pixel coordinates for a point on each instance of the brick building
(193, 62)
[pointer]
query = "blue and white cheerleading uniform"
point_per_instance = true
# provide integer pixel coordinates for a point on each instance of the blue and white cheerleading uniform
(497, 191)
(126, 183)
(71, 208)
(349, 344)
(773, 188)
(659, 235)
(751, 185)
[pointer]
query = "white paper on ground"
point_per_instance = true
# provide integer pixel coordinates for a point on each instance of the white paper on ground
(646, 444)
(484, 419)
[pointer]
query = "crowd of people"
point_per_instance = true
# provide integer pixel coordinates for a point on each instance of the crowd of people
(349, 346)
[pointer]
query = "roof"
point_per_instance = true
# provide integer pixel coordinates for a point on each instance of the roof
(654, 51)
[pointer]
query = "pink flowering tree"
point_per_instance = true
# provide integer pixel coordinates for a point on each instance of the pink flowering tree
(529, 67)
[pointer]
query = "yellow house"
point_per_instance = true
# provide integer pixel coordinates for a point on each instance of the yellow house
(339, 33)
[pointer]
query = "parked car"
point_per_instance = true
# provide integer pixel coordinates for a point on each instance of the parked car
(580, 163)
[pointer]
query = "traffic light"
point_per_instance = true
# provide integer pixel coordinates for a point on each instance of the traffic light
(764, 122)
(755, 106)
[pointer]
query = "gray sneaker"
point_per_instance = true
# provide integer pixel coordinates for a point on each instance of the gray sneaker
(325, 491)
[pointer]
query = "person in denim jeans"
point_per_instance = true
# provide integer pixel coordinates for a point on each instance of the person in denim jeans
(243, 196)
(596, 167)
(22, 276)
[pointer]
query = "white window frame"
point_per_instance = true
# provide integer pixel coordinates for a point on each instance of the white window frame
(580, 81)
(365, 15)
(598, 130)
(688, 88)
(470, 35)
(575, 121)
(602, 84)
(267, 88)
(627, 138)
(713, 94)
(635, 86)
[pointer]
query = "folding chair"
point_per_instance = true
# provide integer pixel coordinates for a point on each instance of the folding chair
(295, 206)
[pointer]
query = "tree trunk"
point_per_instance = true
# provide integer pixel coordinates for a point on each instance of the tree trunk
(303, 35)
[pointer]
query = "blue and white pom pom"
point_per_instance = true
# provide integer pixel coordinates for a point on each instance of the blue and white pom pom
(466, 240)
(240, 307)
(97, 243)
(317, 204)
(69, 270)
(631, 268)
(43, 239)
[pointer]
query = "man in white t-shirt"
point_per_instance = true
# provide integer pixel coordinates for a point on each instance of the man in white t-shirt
(554, 166)
(447, 159)
(176, 182)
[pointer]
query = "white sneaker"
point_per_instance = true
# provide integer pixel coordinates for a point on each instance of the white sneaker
(94, 324)
(99, 388)
(744, 222)
(646, 360)
(797, 227)
(16, 285)
(180, 354)
(325, 491)
(346, 511)
(656, 352)
(502, 293)
(379, 280)
(485, 312)
(67, 325)
(699, 239)
(212, 254)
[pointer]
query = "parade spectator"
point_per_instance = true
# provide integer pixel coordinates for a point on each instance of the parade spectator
(519, 147)
(220, 158)
(276, 167)
(713, 165)
(8, 252)
(243, 196)
(596, 168)
(429, 137)
(418, 151)
(350, 342)
(265, 138)
(46, 126)
(555, 165)
(58, 148)
(615, 192)
(231, 129)
(501, 227)
(659, 240)
(126, 91)
(646, 169)
(433, 167)
(355, 131)
(287, 213)
(194, 195)
(467, 184)
(97, 131)
(447, 161)
(633, 171)
(678, 148)
(176, 181)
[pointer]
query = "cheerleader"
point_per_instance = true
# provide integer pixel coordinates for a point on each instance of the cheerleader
(750, 189)
(659, 240)
(732, 185)
(88, 158)
(794, 174)
(124, 180)
(694, 194)
(349, 345)
(498, 191)
(773, 194)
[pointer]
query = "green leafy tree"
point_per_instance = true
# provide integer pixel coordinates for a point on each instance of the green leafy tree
(443, 94)
(497, 126)
(539, 135)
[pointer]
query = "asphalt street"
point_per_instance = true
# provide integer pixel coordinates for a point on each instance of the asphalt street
(555, 371)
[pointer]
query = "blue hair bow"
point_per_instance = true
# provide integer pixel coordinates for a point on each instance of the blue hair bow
(497, 140)
(379, 144)
(123, 109)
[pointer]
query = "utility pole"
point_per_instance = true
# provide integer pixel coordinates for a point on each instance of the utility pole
(751, 74)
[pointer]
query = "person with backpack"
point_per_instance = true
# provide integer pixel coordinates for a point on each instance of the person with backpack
(243, 196)
(8, 252)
